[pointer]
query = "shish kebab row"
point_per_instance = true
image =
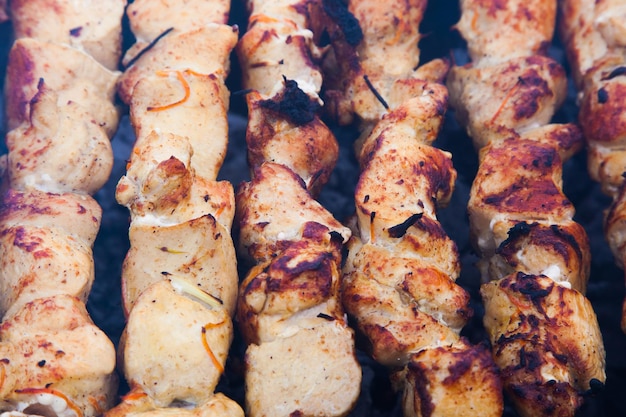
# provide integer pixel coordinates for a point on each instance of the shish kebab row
(60, 112)
(594, 34)
(535, 259)
(146, 205)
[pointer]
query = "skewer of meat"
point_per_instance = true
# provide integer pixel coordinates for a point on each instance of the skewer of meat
(534, 257)
(179, 278)
(59, 94)
(595, 39)
(300, 358)
(399, 276)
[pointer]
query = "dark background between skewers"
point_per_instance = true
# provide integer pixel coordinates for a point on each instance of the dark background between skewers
(606, 286)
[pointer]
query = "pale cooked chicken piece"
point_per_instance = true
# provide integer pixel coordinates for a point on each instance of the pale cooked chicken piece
(500, 31)
(515, 95)
(139, 404)
(181, 359)
(279, 44)
(39, 229)
(399, 276)
(313, 369)
(39, 262)
(375, 52)
(187, 104)
(77, 78)
(546, 341)
(54, 360)
(90, 26)
(199, 251)
(310, 150)
(58, 148)
(149, 19)
(178, 51)
(159, 188)
(274, 210)
(520, 219)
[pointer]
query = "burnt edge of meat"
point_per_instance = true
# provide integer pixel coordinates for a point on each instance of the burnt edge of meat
(293, 104)
(338, 11)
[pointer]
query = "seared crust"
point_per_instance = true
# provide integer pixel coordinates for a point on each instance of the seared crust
(514, 95)
(546, 341)
(438, 381)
